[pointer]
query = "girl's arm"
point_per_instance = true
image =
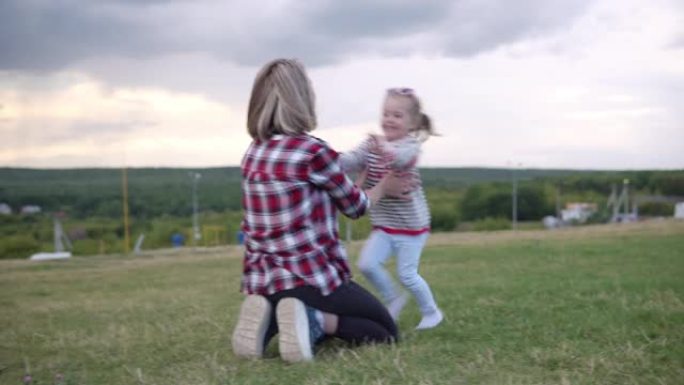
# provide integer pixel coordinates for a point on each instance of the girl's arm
(355, 160)
(326, 173)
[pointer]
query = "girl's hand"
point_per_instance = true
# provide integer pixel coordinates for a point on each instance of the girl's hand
(376, 143)
(377, 147)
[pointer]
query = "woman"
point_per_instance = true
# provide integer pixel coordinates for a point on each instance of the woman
(294, 261)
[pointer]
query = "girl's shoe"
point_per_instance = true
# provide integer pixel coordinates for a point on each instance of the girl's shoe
(248, 336)
(431, 320)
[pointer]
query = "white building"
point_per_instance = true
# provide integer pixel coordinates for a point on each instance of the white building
(577, 212)
(30, 209)
(679, 210)
(5, 209)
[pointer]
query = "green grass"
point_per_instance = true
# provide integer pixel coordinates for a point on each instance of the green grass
(572, 307)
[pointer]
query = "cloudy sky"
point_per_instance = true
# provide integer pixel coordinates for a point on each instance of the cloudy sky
(591, 84)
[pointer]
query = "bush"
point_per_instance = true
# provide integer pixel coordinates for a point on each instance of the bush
(601, 216)
(656, 209)
(360, 228)
(18, 246)
(491, 224)
(670, 183)
(494, 200)
(444, 207)
(443, 220)
(86, 247)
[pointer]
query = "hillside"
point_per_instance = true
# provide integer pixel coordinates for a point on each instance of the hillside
(157, 191)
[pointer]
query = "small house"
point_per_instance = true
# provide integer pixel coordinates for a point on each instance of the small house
(578, 212)
(30, 209)
(5, 209)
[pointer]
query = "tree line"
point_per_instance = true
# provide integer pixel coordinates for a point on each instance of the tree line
(160, 201)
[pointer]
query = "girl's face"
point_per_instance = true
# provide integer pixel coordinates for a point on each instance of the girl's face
(396, 121)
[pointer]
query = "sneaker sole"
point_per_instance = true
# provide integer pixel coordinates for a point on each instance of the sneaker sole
(293, 331)
(248, 336)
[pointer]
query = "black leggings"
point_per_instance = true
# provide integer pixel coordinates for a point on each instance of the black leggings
(362, 318)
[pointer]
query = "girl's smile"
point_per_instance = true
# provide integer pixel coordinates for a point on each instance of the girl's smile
(396, 121)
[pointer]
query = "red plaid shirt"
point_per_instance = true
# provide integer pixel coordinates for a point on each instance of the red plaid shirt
(292, 186)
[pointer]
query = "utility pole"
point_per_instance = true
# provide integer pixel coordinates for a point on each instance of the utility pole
(196, 234)
(625, 191)
(124, 188)
(514, 198)
(613, 203)
(558, 201)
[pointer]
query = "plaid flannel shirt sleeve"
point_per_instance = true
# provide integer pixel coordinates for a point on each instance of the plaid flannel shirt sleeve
(326, 173)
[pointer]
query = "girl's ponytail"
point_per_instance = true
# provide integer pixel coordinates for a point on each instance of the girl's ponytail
(425, 129)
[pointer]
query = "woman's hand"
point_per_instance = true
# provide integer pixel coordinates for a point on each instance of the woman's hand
(361, 178)
(393, 184)
(398, 184)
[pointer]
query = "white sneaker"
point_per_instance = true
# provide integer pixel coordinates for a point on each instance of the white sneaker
(248, 336)
(431, 320)
(293, 331)
(395, 306)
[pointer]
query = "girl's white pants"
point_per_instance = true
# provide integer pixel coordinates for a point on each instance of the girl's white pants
(407, 249)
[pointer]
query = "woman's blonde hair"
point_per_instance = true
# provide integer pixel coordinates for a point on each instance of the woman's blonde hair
(282, 101)
(423, 129)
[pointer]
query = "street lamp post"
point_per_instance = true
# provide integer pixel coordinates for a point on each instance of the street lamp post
(196, 234)
(124, 190)
(514, 198)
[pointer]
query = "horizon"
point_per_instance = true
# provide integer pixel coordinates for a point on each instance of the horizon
(421, 168)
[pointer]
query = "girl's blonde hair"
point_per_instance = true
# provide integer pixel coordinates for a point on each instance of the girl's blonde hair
(282, 101)
(423, 129)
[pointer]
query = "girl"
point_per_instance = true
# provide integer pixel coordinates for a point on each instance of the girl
(400, 227)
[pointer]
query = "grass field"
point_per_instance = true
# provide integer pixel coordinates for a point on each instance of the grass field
(592, 305)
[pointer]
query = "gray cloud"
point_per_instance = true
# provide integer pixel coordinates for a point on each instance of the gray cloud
(364, 19)
(50, 35)
(476, 26)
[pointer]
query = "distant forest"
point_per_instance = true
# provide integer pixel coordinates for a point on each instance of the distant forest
(153, 192)
(160, 201)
